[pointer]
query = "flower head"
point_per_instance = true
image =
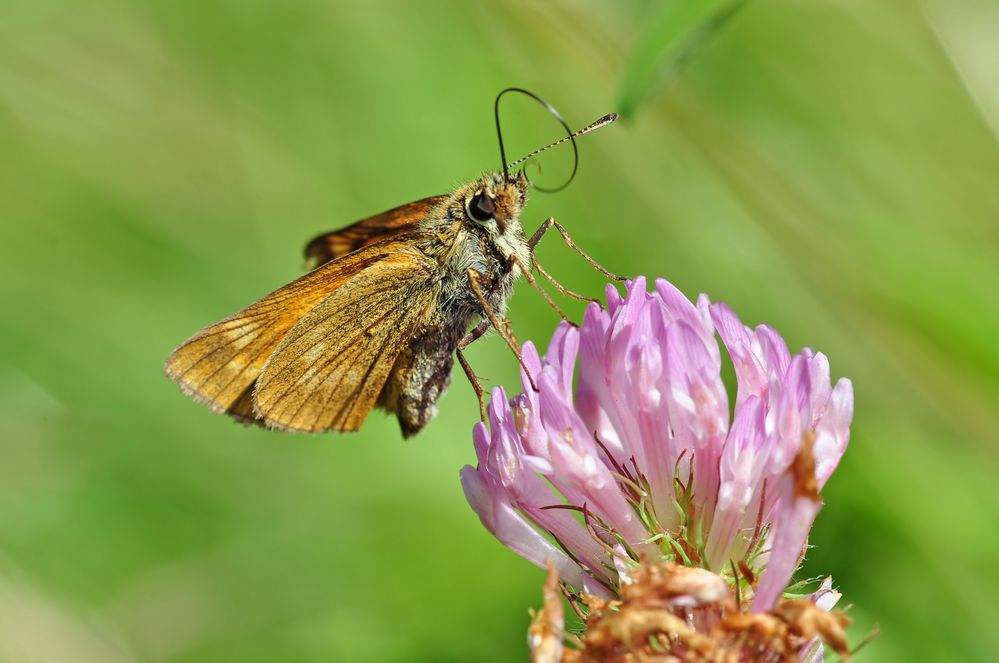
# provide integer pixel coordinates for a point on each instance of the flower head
(645, 458)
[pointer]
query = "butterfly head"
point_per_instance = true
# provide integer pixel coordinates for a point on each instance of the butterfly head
(493, 203)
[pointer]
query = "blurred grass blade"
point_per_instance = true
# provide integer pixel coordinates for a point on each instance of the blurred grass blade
(672, 38)
(966, 32)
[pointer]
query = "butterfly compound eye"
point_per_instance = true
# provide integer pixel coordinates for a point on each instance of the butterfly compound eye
(481, 208)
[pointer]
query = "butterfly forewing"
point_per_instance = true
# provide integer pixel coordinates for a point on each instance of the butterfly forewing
(402, 219)
(219, 364)
(327, 372)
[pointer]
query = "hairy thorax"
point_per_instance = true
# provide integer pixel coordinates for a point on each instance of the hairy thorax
(496, 262)
(480, 256)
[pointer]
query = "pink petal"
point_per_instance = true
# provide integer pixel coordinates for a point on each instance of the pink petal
(833, 431)
(742, 470)
(678, 307)
(750, 372)
(561, 355)
(502, 520)
(820, 389)
(613, 297)
(532, 361)
(790, 535)
(698, 408)
(773, 351)
(825, 596)
(792, 414)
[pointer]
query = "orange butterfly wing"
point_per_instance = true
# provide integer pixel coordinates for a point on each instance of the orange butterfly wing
(405, 218)
(328, 371)
(219, 365)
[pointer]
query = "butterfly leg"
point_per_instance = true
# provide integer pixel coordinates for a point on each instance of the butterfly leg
(474, 279)
(558, 286)
(473, 379)
(536, 238)
(537, 286)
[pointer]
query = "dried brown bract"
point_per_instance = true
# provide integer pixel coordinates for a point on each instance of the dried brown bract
(546, 631)
(673, 613)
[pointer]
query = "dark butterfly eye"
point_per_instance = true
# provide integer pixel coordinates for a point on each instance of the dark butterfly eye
(481, 208)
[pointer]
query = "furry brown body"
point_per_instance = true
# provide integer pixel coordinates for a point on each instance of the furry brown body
(376, 322)
(496, 250)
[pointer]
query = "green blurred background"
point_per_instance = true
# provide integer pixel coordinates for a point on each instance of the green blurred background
(831, 168)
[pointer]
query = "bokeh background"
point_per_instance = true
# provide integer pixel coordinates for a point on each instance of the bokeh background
(831, 168)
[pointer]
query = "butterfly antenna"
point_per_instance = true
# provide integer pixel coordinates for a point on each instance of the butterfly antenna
(570, 136)
(593, 126)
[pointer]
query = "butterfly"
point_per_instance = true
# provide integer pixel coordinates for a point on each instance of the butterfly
(378, 320)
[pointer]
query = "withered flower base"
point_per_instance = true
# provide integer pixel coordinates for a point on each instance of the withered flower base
(679, 613)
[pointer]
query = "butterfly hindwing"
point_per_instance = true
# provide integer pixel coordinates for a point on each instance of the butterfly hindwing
(219, 364)
(327, 372)
(402, 219)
